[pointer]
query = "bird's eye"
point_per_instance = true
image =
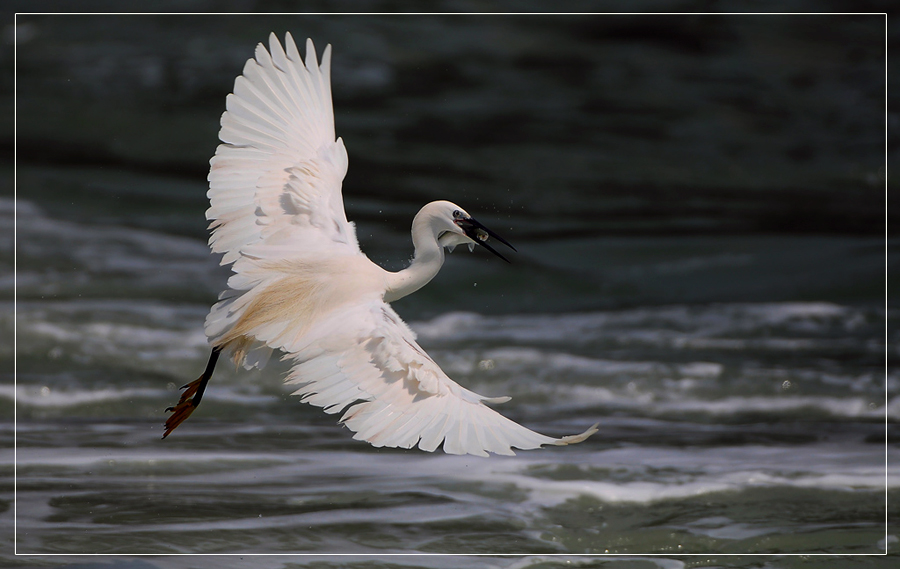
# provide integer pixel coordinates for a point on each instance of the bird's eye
(456, 213)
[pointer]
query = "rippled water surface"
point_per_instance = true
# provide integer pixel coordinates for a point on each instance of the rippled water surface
(698, 206)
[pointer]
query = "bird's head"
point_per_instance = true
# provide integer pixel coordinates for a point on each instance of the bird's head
(454, 226)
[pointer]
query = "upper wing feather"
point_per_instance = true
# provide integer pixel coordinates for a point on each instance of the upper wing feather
(367, 358)
(277, 175)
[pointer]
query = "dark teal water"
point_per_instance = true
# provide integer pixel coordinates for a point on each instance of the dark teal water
(699, 209)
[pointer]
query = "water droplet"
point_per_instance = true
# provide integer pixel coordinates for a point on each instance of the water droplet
(486, 364)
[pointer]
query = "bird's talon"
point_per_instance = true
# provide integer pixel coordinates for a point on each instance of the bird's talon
(180, 412)
(189, 399)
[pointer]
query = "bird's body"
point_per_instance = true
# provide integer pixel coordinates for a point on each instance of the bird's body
(302, 286)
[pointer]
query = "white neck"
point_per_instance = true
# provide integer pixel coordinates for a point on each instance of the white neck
(427, 261)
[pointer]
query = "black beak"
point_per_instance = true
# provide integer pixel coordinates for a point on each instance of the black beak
(480, 234)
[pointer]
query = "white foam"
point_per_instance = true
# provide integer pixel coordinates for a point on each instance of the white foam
(777, 326)
(856, 407)
(693, 472)
(552, 362)
(677, 473)
(550, 355)
(547, 562)
(656, 388)
(883, 544)
(47, 397)
(126, 333)
(93, 252)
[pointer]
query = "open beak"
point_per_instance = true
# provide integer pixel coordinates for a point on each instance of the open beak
(480, 234)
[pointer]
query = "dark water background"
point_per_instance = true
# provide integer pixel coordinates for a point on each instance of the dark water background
(699, 205)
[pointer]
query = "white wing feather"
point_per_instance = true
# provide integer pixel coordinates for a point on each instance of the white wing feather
(275, 181)
(365, 361)
(276, 177)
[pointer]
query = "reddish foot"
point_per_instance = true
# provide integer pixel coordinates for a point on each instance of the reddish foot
(185, 405)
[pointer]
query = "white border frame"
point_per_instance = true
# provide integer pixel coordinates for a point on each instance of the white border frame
(383, 555)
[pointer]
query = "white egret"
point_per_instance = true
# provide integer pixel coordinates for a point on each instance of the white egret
(302, 286)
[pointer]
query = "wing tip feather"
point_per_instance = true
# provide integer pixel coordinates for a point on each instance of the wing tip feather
(311, 61)
(575, 439)
(496, 400)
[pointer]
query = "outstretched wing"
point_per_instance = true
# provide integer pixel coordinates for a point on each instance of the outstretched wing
(364, 360)
(276, 178)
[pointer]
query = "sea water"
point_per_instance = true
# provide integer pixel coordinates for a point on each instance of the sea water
(733, 427)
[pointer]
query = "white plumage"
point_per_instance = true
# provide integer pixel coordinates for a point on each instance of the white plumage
(302, 286)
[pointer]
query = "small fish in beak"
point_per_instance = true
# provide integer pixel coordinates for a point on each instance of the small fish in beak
(480, 234)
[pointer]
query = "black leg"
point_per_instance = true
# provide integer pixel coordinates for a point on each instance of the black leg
(192, 395)
(207, 375)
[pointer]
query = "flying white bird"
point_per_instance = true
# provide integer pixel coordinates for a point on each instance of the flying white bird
(301, 285)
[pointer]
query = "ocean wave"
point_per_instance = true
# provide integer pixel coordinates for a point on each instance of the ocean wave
(650, 403)
(549, 562)
(562, 381)
(775, 326)
(108, 259)
(149, 334)
(166, 338)
(639, 475)
(47, 397)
